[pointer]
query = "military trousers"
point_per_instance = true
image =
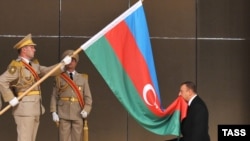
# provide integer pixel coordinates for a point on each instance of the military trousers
(27, 127)
(70, 130)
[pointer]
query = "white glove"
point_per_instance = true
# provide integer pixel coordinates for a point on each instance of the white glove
(84, 114)
(67, 60)
(55, 117)
(13, 102)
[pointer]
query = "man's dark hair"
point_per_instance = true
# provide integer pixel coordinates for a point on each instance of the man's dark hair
(191, 85)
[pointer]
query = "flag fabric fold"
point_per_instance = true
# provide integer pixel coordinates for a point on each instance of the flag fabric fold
(122, 54)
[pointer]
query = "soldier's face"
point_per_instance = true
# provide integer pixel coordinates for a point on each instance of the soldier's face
(29, 51)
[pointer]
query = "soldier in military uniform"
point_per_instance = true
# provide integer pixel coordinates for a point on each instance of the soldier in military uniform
(71, 101)
(21, 74)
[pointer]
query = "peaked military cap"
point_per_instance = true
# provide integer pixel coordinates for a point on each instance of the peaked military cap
(70, 52)
(27, 40)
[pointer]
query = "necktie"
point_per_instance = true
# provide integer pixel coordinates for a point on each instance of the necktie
(71, 75)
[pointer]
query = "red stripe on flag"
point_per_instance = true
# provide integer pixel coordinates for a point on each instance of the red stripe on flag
(125, 48)
(179, 104)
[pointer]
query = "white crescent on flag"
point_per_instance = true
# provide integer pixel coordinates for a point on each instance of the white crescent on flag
(146, 89)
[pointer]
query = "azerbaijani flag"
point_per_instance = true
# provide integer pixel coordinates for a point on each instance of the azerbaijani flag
(122, 54)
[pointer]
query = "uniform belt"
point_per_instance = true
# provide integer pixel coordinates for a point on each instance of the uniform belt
(71, 99)
(30, 93)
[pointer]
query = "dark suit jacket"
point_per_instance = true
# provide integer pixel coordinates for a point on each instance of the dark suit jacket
(195, 126)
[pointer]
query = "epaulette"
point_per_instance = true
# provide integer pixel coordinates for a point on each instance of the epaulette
(13, 66)
(85, 75)
(16, 63)
(35, 61)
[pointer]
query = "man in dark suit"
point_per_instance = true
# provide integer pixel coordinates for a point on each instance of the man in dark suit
(195, 126)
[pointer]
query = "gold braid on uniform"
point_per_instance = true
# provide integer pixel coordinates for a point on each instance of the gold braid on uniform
(27, 82)
(58, 84)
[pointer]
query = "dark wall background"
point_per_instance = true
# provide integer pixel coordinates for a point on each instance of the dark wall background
(203, 41)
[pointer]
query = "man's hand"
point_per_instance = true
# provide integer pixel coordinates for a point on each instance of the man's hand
(84, 114)
(67, 60)
(13, 102)
(55, 117)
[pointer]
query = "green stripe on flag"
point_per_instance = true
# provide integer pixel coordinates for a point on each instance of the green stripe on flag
(106, 62)
(108, 65)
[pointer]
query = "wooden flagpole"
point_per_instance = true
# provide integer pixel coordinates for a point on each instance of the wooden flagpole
(40, 81)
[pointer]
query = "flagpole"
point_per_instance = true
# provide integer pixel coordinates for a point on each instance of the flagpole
(48, 74)
(40, 81)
